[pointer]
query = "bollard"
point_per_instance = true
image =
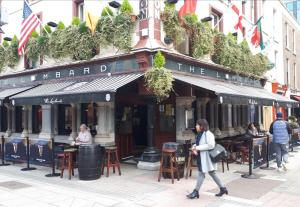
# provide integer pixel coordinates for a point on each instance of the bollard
(53, 173)
(250, 175)
(28, 168)
(2, 152)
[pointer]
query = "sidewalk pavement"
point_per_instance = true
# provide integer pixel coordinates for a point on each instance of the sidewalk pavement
(137, 188)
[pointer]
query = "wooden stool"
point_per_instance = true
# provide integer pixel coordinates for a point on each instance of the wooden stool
(111, 160)
(190, 166)
(227, 163)
(243, 152)
(168, 155)
(67, 161)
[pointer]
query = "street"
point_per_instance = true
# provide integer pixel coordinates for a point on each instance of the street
(140, 188)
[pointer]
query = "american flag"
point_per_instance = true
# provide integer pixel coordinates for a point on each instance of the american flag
(29, 24)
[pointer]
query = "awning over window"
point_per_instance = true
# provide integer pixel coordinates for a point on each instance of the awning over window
(83, 91)
(6, 93)
(236, 94)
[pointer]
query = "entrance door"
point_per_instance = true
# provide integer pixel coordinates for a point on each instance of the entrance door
(139, 129)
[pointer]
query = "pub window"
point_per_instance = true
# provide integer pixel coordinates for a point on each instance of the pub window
(3, 119)
(189, 118)
(124, 119)
(64, 119)
(36, 119)
(167, 118)
(89, 116)
(19, 119)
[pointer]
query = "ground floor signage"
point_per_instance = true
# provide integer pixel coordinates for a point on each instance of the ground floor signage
(15, 150)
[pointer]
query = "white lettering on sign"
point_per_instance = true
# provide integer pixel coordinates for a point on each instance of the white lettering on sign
(252, 101)
(45, 76)
(192, 69)
(57, 74)
(179, 66)
(52, 100)
(202, 71)
(103, 68)
(71, 73)
(144, 9)
(86, 71)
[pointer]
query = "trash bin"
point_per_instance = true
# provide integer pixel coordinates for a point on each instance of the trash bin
(90, 158)
(180, 158)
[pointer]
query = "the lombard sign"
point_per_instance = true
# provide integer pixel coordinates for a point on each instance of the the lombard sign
(205, 71)
(72, 72)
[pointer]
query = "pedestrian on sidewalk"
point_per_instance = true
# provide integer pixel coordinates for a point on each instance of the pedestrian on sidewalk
(205, 141)
(281, 130)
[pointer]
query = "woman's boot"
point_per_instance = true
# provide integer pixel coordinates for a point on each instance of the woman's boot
(222, 192)
(194, 194)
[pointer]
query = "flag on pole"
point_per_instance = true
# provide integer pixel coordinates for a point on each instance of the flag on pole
(29, 24)
(189, 7)
(91, 21)
(257, 37)
(238, 26)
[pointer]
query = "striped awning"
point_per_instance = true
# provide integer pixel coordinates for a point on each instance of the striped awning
(83, 91)
(236, 94)
(6, 93)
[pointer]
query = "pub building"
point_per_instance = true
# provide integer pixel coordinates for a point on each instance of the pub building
(108, 94)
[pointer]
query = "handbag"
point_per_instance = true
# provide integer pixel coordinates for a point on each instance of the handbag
(217, 153)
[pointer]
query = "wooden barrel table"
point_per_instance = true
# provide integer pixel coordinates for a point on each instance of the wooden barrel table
(90, 158)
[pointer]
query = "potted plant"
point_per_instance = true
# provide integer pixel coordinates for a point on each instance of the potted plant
(171, 25)
(126, 8)
(159, 79)
(12, 56)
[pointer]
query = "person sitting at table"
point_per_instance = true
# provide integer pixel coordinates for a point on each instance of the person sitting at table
(84, 136)
(252, 130)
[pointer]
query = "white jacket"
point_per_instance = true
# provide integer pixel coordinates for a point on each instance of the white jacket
(207, 142)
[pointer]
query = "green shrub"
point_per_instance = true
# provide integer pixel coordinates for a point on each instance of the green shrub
(126, 7)
(107, 12)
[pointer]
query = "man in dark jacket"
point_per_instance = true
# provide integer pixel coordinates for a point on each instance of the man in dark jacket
(281, 130)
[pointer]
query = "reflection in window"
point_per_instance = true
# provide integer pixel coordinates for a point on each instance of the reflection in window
(89, 116)
(18, 119)
(64, 119)
(36, 119)
(3, 118)
(167, 118)
(189, 118)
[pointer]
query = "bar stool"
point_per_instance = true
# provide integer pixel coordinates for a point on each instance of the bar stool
(67, 161)
(190, 166)
(111, 160)
(168, 155)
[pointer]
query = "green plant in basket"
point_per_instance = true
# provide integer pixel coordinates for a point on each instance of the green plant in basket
(159, 79)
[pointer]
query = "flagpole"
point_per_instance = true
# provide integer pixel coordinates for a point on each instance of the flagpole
(38, 19)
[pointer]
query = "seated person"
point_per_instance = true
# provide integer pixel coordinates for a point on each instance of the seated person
(84, 136)
(252, 130)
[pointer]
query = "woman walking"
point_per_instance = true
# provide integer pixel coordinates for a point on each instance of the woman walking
(205, 141)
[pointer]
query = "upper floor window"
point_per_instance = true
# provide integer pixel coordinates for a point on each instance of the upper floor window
(287, 71)
(217, 22)
(295, 75)
(294, 41)
(78, 9)
(286, 35)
